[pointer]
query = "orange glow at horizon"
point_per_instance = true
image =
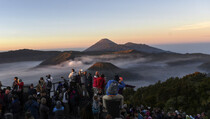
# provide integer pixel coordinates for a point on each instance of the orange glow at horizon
(150, 36)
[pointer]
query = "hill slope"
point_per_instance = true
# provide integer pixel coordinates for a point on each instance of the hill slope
(143, 48)
(62, 57)
(26, 55)
(103, 66)
(111, 70)
(190, 93)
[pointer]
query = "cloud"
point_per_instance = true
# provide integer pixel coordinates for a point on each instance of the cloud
(196, 26)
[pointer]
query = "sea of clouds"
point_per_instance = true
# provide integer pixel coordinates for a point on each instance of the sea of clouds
(150, 72)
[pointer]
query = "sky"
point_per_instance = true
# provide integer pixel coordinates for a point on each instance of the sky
(77, 24)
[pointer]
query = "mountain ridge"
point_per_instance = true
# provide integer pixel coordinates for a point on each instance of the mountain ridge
(105, 45)
(26, 55)
(110, 46)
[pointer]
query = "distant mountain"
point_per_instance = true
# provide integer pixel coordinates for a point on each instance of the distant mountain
(106, 45)
(62, 57)
(126, 52)
(26, 55)
(143, 48)
(103, 66)
(110, 70)
(205, 66)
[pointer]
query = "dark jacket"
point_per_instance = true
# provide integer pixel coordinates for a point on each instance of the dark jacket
(31, 91)
(44, 111)
(89, 82)
(15, 106)
(33, 107)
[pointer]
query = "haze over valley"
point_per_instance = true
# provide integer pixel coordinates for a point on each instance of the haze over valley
(139, 64)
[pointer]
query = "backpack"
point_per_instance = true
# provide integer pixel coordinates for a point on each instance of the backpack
(113, 88)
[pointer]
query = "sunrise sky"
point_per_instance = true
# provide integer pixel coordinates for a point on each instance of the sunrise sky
(52, 24)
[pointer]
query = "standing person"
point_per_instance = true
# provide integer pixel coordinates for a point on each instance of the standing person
(2, 104)
(101, 83)
(20, 92)
(72, 78)
(65, 102)
(78, 81)
(96, 107)
(84, 83)
(80, 75)
(100, 96)
(0, 84)
(8, 98)
(121, 85)
(89, 84)
(44, 110)
(86, 112)
(15, 85)
(65, 84)
(31, 90)
(73, 101)
(59, 87)
(20, 85)
(49, 84)
(32, 106)
(41, 85)
(15, 107)
(95, 86)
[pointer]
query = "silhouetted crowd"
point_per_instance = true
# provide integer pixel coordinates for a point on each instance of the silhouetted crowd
(80, 96)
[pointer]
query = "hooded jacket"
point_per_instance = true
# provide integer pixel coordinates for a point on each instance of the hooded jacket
(108, 85)
(95, 79)
(100, 83)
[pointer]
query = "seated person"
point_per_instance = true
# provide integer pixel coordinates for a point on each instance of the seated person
(112, 95)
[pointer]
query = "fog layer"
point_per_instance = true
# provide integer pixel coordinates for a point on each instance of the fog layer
(149, 71)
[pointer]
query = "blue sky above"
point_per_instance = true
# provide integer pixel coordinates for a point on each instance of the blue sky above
(82, 23)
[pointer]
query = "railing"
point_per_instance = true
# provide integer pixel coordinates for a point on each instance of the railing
(27, 86)
(53, 89)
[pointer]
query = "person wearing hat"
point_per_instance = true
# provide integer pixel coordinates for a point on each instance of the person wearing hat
(58, 110)
(121, 85)
(112, 89)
